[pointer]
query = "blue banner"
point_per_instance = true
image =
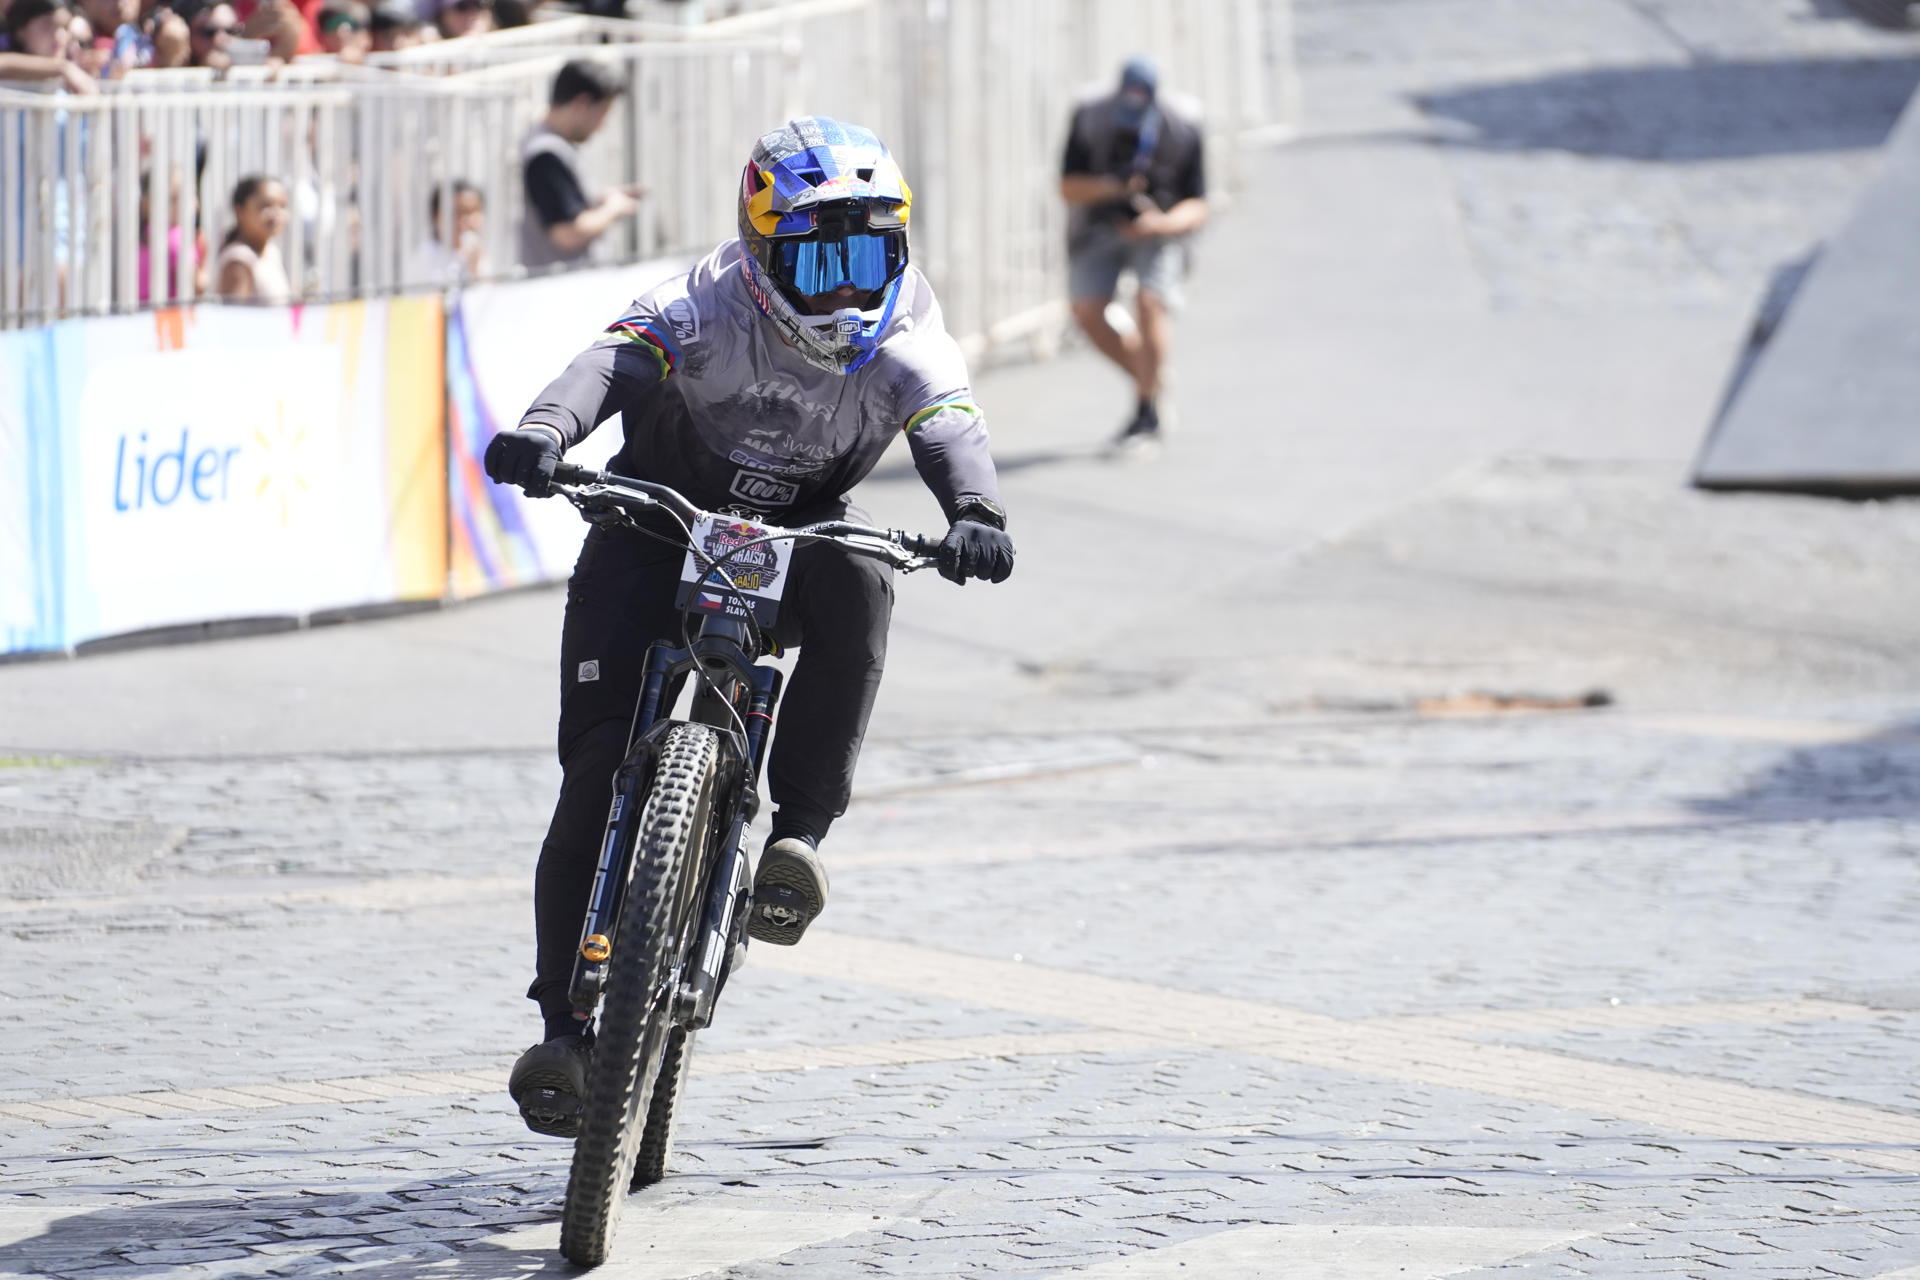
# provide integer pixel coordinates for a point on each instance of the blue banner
(37, 405)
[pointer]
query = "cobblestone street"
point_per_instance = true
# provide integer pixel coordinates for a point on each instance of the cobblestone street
(1562, 1037)
(1251, 887)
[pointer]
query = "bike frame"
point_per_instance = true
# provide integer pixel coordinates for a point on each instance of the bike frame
(736, 695)
(741, 687)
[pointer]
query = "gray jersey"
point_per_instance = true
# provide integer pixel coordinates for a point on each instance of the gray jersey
(716, 405)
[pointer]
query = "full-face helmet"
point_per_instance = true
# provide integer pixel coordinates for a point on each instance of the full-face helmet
(823, 216)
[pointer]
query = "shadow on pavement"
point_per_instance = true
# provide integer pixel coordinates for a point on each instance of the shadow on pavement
(480, 1219)
(1889, 15)
(1877, 777)
(1709, 111)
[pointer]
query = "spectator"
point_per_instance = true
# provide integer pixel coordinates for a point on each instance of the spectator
(175, 239)
(39, 41)
(39, 45)
(514, 13)
(114, 21)
(80, 44)
(250, 267)
(40, 28)
(396, 24)
(440, 264)
(562, 219)
(458, 18)
(281, 25)
(304, 21)
(1134, 178)
(345, 30)
(170, 41)
(211, 29)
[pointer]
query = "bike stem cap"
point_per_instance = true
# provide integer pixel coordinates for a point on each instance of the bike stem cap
(595, 948)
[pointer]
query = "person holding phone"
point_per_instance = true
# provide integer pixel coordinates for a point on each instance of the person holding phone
(562, 219)
(1134, 181)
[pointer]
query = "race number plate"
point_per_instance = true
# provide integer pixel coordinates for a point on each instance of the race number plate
(758, 567)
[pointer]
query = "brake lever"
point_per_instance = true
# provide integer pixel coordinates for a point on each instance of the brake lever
(602, 514)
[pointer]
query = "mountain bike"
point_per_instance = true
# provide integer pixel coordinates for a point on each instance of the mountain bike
(666, 919)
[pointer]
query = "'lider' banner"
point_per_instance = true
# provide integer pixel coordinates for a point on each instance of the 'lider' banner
(219, 462)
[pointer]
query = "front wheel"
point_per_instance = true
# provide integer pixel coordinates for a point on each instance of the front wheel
(657, 1141)
(636, 1019)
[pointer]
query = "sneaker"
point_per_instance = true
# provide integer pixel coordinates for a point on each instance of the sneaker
(1145, 426)
(549, 1081)
(789, 892)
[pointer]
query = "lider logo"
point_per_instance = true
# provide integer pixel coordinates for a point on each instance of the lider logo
(163, 470)
(201, 472)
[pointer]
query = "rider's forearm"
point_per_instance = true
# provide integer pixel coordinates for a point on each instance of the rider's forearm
(598, 384)
(949, 445)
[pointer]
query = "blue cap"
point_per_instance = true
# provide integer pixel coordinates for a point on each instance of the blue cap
(1140, 73)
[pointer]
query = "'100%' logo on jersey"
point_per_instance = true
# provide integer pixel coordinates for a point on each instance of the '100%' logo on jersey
(762, 490)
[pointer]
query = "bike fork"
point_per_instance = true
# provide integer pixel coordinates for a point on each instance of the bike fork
(729, 888)
(610, 876)
(603, 904)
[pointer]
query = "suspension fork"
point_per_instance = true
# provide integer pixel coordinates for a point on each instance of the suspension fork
(616, 846)
(729, 887)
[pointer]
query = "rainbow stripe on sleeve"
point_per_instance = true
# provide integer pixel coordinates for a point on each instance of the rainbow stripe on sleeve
(964, 406)
(653, 341)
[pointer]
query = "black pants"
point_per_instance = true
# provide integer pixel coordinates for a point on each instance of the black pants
(620, 600)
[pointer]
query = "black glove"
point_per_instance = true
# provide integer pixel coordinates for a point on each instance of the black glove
(975, 550)
(525, 457)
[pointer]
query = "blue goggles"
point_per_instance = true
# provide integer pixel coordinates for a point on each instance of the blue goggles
(867, 261)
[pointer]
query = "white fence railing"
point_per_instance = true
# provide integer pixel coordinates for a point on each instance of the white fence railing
(973, 95)
(125, 196)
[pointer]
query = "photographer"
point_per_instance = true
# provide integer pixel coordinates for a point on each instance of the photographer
(1134, 178)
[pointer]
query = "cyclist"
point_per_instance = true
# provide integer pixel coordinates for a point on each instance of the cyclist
(768, 380)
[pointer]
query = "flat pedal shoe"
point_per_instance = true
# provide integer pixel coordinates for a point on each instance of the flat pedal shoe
(549, 1082)
(789, 892)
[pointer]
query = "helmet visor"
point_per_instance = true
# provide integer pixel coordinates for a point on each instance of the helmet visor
(867, 261)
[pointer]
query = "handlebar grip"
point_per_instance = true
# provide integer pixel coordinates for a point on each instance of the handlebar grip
(568, 473)
(919, 544)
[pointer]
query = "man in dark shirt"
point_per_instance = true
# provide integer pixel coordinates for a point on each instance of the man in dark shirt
(563, 219)
(1135, 182)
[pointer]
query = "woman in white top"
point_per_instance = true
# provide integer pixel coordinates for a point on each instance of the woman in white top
(251, 268)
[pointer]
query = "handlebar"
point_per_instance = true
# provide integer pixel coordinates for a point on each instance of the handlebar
(585, 486)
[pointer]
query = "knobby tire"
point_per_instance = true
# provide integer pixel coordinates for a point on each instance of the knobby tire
(635, 1028)
(657, 1142)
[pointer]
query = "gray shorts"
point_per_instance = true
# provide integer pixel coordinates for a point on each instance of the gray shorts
(1093, 268)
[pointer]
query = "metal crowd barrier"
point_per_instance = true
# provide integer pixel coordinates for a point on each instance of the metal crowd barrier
(358, 157)
(974, 95)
